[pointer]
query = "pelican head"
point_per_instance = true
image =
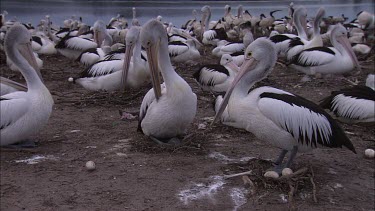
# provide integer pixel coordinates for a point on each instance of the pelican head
(227, 60)
(99, 32)
(20, 38)
(339, 34)
(131, 39)
(206, 15)
(260, 58)
(227, 9)
(299, 17)
(151, 35)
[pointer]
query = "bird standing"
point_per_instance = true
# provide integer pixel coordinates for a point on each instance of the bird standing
(287, 121)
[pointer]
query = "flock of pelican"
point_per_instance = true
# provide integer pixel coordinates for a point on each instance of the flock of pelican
(116, 57)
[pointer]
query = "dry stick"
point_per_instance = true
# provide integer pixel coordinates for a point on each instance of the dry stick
(290, 195)
(236, 175)
(313, 184)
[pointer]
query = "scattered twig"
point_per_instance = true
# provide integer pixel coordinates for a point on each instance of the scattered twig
(313, 184)
(236, 175)
(291, 195)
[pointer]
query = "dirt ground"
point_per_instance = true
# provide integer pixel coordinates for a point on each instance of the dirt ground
(133, 173)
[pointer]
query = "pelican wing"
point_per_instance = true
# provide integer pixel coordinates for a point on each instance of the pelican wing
(232, 47)
(314, 57)
(176, 48)
(210, 75)
(76, 43)
(13, 106)
(210, 34)
(305, 121)
(148, 99)
(354, 103)
(103, 67)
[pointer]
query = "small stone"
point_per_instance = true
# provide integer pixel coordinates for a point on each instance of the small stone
(90, 165)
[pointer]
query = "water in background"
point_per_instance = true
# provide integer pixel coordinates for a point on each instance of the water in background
(177, 12)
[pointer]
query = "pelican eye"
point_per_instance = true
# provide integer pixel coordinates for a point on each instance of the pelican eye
(249, 54)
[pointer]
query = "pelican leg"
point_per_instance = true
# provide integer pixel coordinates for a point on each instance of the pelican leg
(281, 157)
(293, 154)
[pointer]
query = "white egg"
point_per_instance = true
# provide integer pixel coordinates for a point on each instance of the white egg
(90, 165)
(272, 174)
(70, 79)
(369, 153)
(287, 171)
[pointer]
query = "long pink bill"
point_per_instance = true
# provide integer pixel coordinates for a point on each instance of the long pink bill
(248, 65)
(344, 41)
(152, 55)
(125, 69)
(27, 52)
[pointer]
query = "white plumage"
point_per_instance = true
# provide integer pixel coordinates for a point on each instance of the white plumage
(23, 114)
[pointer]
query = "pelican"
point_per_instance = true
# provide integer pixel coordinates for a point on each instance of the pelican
(217, 78)
(183, 51)
(287, 121)
(366, 20)
(42, 44)
(282, 41)
(23, 114)
(210, 37)
(233, 47)
(111, 75)
(302, 44)
(72, 46)
(167, 110)
(8, 86)
(353, 105)
(104, 42)
(191, 21)
(328, 60)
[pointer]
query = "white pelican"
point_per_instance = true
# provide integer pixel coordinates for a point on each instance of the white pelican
(72, 46)
(353, 105)
(183, 51)
(7, 86)
(109, 74)
(43, 45)
(302, 44)
(167, 110)
(366, 20)
(282, 41)
(191, 21)
(361, 48)
(217, 78)
(233, 47)
(328, 60)
(210, 37)
(104, 42)
(23, 114)
(287, 121)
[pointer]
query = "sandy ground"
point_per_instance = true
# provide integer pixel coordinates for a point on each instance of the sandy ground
(133, 173)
